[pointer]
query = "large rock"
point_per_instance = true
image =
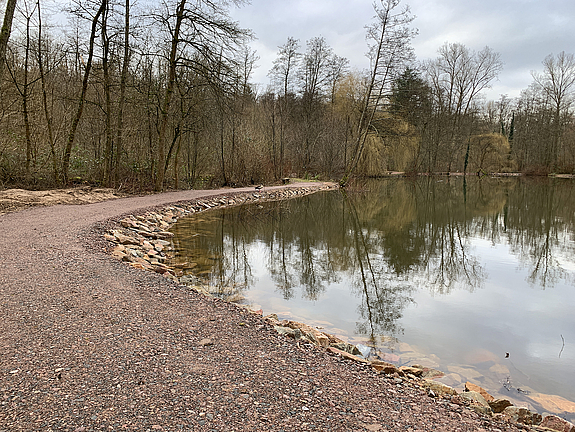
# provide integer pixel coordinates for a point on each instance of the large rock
(312, 334)
(347, 347)
(499, 405)
(386, 368)
(347, 355)
(557, 424)
(118, 253)
(477, 402)
(427, 372)
(128, 223)
(124, 239)
(470, 387)
(412, 370)
(522, 415)
(293, 333)
(474, 398)
(438, 388)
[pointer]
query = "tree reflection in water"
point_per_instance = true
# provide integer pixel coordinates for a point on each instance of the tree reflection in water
(392, 238)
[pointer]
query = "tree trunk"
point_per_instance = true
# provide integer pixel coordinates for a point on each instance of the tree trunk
(168, 96)
(78, 116)
(109, 146)
(45, 99)
(5, 33)
(25, 110)
(123, 79)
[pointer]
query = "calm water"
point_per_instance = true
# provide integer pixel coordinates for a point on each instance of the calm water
(430, 271)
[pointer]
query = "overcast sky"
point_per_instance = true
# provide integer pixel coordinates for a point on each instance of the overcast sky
(524, 32)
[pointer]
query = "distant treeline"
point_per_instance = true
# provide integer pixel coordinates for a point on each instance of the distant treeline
(152, 96)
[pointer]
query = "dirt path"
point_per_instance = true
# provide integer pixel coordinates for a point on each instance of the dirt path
(89, 344)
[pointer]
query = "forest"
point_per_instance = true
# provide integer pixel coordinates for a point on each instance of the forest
(151, 96)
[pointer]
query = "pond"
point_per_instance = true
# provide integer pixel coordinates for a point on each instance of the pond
(472, 277)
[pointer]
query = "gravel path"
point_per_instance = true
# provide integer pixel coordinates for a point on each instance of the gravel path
(88, 343)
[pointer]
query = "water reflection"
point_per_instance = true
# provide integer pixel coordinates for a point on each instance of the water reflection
(457, 270)
(394, 237)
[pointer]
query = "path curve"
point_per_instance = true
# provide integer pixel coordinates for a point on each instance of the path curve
(88, 343)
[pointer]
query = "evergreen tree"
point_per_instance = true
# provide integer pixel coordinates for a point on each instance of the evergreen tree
(410, 97)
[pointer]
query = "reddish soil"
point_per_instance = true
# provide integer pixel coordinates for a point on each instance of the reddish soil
(88, 343)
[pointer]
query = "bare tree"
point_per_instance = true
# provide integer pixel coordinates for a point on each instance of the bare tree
(80, 109)
(47, 116)
(201, 37)
(315, 73)
(390, 39)
(123, 83)
(457, 76)
(557, 83)
(282, 75)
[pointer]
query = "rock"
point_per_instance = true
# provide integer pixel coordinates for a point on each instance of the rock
(364, 350)
(235, 298)
(557, 424)
(293, 333)
(438, 388)
(452, 380)
(422, 372)
(431, 373)
(522, 415)
(475, 388)
(467, 373)
(412, 370)
(388, 357)
(480, 355)
(317, 337)
(386, 368)
(206, 342)
(160, 269)
(481, 410)
(477, 402)
(272, 318)
(553, 403)
(124, 239)
(499, 405)
(499, 369)
(347, 347)
(347, 355)
(156, 234)
(457, 400)
(128, 223)
(118, 254)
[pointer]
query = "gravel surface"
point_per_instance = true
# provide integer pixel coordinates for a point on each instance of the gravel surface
(88, 343)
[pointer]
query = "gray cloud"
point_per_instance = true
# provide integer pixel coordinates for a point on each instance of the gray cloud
(524, 32)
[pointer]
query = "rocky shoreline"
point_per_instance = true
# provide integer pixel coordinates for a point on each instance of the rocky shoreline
(142, 241)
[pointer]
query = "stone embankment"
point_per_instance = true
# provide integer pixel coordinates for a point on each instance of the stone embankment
(143, 242)
(474, 396)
